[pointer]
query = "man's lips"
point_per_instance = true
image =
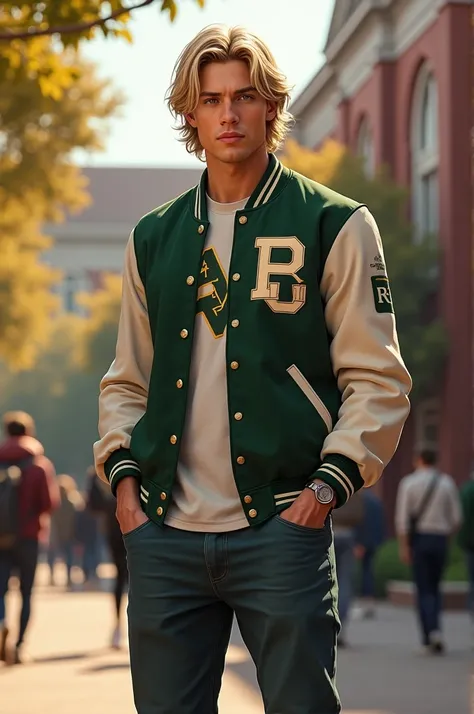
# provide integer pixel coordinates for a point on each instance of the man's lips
(230, 137)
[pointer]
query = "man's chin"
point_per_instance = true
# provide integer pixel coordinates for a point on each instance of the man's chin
(231, 154)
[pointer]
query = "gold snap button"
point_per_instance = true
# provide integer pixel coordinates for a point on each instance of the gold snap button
(252, 513)
(248, 499)
(241, 460)
(236, 277)
(190, 280)
(243, 220)
(179, 383)
(184, 334)
(163, 496)
(235, 323)
(238, 416)
(159, 511)
(173, 439)
(201, 229)
(234, 365)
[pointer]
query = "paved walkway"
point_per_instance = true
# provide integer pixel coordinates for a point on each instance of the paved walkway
(75, 673)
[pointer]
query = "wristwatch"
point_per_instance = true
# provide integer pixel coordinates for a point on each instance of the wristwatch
(323, 492)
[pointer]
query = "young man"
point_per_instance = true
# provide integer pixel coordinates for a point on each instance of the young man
(36, 494)
(427, 513)
(257, 384)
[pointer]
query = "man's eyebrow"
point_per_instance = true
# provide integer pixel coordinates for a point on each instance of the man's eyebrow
(237, 91)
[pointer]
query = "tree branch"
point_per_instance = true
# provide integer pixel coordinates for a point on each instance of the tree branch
(72, 29)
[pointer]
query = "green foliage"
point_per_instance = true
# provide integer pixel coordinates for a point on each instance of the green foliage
(38, 183)
(412, 265)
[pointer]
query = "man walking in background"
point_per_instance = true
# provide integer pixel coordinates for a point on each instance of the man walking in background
(27, 491)
(257, 384)
(427, 513)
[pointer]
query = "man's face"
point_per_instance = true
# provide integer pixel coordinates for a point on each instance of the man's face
(231, 117)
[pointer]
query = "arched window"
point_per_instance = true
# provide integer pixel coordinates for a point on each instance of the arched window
(425, 154)
(365, 147)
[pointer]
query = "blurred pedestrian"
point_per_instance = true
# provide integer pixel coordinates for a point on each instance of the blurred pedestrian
(346, 524)
(27, 491)
(370, 536)
(88, 541)
(428, 512)
(64, 526)
(101, 501)
(466, 538)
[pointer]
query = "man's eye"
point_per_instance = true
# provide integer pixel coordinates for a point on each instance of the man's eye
(210, 100)
(246, 96)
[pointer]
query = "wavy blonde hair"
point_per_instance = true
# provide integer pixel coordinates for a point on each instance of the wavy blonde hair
(219, 43)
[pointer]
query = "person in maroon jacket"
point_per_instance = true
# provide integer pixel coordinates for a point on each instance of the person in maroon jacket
(38, 494)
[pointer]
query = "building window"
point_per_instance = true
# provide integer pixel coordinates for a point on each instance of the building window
(365, 148)
(425, 155)
(68, 290)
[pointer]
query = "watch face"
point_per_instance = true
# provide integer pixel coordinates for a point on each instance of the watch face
(324, 494)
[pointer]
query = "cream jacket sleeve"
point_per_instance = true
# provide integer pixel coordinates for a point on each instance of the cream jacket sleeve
(365, 354)
(124, 389)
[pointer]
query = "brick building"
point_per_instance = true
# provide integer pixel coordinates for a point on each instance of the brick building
(397, 88)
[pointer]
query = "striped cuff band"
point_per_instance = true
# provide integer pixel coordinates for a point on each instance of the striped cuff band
(342, 474)
(120, 465)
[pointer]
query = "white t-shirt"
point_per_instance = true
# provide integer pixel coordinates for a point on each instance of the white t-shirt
(205, 496)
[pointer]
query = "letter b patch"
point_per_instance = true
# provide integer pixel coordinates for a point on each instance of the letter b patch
(382, 294)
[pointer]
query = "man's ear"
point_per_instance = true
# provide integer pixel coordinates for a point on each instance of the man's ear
(271, 110)
(191, 120)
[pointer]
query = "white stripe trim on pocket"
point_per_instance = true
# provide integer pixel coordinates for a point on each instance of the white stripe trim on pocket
(288, 493)
(313, 397)
(335, 476)
(337, 471)
(144, 498)
(147, 493)
(285, 500)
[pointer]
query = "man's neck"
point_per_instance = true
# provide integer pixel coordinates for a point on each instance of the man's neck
(228, 183)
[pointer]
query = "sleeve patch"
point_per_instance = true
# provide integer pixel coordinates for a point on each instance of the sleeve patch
(382, 294)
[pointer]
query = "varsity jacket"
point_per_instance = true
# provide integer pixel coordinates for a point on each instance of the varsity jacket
(316, 384)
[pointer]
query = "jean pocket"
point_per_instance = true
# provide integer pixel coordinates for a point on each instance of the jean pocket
(303, 529)
(135, 531)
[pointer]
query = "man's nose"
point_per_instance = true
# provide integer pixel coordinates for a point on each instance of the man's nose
(229, 114)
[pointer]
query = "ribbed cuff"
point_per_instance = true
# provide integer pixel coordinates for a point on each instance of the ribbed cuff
(118, 466)
(342, 474)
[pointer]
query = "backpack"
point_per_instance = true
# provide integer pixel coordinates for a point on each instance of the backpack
(10, 479)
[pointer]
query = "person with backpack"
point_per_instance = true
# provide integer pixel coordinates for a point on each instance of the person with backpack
(27, 491)
(466, 538)
(427, 513)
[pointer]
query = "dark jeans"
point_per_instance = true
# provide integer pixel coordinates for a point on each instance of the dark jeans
(22, 560)
(429, 558)
(279, 581)
(367, 588)
(470, 575)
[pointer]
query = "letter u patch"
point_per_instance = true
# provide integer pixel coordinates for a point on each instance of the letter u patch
(382, 294)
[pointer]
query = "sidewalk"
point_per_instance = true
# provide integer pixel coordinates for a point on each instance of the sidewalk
(75, 673)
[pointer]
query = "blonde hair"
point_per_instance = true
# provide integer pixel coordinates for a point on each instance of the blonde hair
(219, 43)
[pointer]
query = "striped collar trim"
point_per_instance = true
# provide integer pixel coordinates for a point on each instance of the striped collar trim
(262, 194)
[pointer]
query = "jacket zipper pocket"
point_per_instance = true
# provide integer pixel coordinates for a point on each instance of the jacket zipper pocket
(309, 392)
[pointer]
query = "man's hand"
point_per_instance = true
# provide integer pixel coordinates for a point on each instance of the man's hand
(405, 554)
(129, 512)
(307, 511)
